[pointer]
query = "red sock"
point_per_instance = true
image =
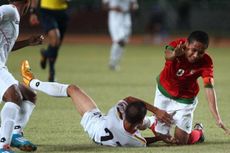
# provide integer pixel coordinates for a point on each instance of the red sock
(153, 127)
(194, 136)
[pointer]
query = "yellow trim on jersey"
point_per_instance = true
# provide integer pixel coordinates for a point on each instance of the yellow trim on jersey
(54, 4)
(140, 139)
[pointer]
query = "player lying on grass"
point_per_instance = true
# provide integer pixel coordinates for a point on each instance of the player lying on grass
(120, 127)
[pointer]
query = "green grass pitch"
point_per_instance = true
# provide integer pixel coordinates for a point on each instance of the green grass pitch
(54, 125)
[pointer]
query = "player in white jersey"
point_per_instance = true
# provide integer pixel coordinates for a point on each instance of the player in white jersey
(120, 127)
(19, 99)
(120, 24)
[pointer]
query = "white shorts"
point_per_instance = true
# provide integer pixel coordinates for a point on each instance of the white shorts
(119, 27)
(6, 80)
(182, 113)
(92, 121)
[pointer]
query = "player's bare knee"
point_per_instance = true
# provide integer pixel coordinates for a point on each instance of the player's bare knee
(54, 36)
(72, 89)
(55, 42)
(13, 96)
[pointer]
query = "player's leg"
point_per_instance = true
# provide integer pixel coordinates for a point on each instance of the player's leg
(50, 88)
(52, 51)
(181, 136)
(159, 128)
(9, 112)
(26, 109)
(183, 120)
(115, 56)
(81, 100)
(50, 26)
(184, 138)
(62, 20)
(197, 134)
(116, 50)
(83, 103)
(10, 94)
(120, 34)
(56, 35)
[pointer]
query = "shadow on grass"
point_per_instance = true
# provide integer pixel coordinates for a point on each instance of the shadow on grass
(206, 143)
(91, 147)
(72, 148)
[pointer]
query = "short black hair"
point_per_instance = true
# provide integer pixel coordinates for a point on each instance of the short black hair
(135, 112)
(199, 36)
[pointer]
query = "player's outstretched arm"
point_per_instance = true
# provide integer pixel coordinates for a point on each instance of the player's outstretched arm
(160, 114)
(151, 140)
(212, 101)
(166, 138)
(32, 41)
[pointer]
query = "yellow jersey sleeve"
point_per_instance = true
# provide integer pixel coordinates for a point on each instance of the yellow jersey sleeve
(54, 4)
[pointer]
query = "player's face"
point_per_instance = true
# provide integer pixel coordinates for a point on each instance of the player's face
(194, 51)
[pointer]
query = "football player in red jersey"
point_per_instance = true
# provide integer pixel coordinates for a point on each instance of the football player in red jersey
(177, 87)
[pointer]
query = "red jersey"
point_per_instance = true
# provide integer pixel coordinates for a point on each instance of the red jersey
(178, 79)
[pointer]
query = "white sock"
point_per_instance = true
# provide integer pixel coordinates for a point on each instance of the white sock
(115, 54)
(8, 115)
(23, 116)
(50, 88)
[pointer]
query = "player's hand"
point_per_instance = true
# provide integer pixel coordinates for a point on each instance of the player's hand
(221, 125)
(34, 19)
(167, 139)
(36, 40)
(163, 116)
(180, 49)
(170, 140)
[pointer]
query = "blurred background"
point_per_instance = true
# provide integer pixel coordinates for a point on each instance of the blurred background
(156, 20)
(83, 61)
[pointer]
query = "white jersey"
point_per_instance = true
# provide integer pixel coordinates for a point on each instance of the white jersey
(123, 4)
(9, 30)
(120, 22)
(109, 129)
